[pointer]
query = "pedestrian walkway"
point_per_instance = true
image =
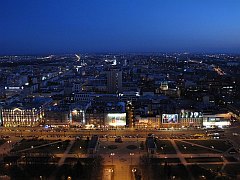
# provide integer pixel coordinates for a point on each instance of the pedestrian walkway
(61, 161)
(181, 157)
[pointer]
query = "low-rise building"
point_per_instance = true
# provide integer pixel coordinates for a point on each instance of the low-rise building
(142, 122)
(28, 113)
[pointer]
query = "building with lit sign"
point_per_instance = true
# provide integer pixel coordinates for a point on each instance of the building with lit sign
(170, 121)
(57, 116)
(77, 116)
(216, 120)
(191, 118)
(116, 119)
(15, 117)
(142, 122)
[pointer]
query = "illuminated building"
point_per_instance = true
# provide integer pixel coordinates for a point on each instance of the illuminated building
(216, 120)
(191, 118)
(114, 81)
(15, 117)
(130, 115)
(142, 122)
(57, 117)
(95, 117)
(116, 119)
(28, 113)
(77, 116)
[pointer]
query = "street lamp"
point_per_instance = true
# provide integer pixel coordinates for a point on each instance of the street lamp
(131, 154)
(112, 154)
(80, 148)
(9, 142)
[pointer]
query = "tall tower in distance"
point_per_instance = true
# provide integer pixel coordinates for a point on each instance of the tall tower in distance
(114, 81)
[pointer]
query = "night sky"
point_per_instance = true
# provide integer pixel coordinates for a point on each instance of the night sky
(75, 26)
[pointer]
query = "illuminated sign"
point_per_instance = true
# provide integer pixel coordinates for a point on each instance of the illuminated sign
(169, 118)
(190, 114)
(143, 120)
(116, 119)
(214, 119)
(222, 123)
(14, 88)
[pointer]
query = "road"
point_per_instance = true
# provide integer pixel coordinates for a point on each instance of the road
(136, 135)
(73, 132)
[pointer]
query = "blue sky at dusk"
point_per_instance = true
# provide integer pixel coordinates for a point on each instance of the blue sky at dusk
(68, 26)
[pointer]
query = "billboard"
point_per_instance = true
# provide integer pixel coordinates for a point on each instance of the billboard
(169, 118)
(116, 119)
(219, 124)
(190, 114)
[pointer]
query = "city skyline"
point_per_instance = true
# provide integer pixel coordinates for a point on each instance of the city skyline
(120, 90)
(137, 26)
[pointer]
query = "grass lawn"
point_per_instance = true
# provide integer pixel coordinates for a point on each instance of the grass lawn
(168, 172)
(25, 144)
(232, 169)
(163, 160)
(204, 159)
(79, 146)
(217, 144)
(20, 172)
(187, 148)
(83, 168)
(211, 167)
(231, 159)
(58, 148)
(201, 173)
(165, 147)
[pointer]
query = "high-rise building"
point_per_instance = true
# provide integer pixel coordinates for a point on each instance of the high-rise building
(114, 81)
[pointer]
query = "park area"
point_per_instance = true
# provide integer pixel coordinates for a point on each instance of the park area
(79, 147)
(40, 146)
(220, 145)
(188, 148)
(165, 147)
